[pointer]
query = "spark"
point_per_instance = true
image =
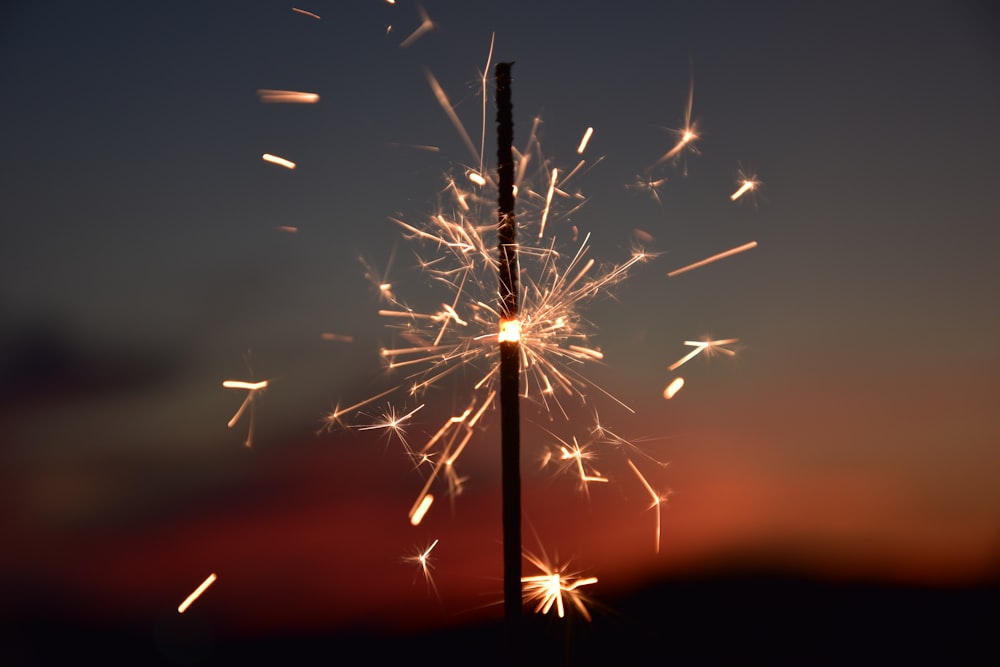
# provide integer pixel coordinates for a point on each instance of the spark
(555, 586)
(286, 96)
(302, 11)
(422, 559)
(657, 499)
(713, 258)
(336, 337)
(548, 202)
(426, 25)
(686, 136)
(748, 182)
(197, 593)
(675, 386)
(287, 228)
(650, 185)
(280, 161)
(253, 388)
(417, 515)
(585, 140)
(708, 347)
(393, 424)
(578, 457)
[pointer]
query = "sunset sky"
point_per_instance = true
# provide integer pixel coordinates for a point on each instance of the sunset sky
(854, 435)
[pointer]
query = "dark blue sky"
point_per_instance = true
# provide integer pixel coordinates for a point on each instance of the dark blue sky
(140, 240)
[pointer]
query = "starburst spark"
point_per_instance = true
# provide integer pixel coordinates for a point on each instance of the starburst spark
(748, 182)
(422, 559)
(555, 586)
(656, 498)
(707, 347)
(686, 136)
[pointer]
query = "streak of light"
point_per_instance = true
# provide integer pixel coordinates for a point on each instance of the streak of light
(743, 189)
(709, 347)
(423, 561)
(713, 258)
(672, 388)
(476, 178)
(548, 202)
(239, 384)
(393, 424)
(426, 25)
(280, 161)
(418, 512)
(419, 147)
(286, 96)
(287, 228)
(337, 337)
(657, 499)
(302, 11)
(585, 140)
(197, 593)
(555, 587)
(442, 99)
(748, 183)
(686, 136)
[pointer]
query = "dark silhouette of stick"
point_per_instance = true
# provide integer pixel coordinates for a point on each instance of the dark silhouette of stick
(510, 419)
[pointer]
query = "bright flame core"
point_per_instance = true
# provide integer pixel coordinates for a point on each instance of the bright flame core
(510, 331)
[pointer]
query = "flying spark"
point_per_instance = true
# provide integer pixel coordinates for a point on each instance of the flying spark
(304, 12)
(672, 388)
(422, 560)
(713, 258)
(253, 388)
(280, 161)
(708, 347)
(585, 140)
(197, 593)
(426, 25)
(286, 96)
(657, 499)
(557, 587)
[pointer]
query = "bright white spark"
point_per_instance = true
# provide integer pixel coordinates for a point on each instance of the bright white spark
(197, 593)
(555, 587)
(585, 140)
(672, 388)
(253, 388)
(423, 561)
(708, 347)
(280, 161)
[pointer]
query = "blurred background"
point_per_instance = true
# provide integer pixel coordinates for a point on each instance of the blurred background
(834, 483)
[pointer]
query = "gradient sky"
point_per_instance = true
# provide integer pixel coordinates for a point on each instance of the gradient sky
(855, 433)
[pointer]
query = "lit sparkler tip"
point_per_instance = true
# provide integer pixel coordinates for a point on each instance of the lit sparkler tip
(672, 388)
(197, 593)
(280, 161)
(510, 331)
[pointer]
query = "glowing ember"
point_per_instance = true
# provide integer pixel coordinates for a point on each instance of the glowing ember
(197, 593)
(417, 515)
(672, 388)
(280, 161)
(586, 139)
(286, 96)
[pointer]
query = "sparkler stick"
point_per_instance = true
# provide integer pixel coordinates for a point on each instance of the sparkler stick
(510, 419)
